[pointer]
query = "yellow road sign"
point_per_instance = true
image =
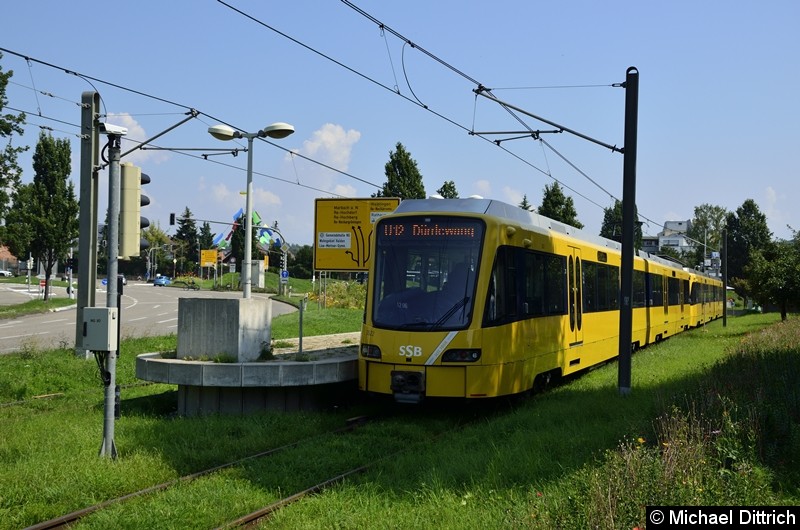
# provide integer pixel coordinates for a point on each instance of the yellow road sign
(208, 258)
(343, 231)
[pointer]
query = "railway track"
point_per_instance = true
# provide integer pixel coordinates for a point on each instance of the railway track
(388, 447)
(257, 517)
(69, 519)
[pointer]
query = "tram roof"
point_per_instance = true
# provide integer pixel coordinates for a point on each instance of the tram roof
(531, 220)
(509, 212)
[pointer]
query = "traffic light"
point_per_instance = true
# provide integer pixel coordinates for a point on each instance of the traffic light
(131, 221)
(171, 219)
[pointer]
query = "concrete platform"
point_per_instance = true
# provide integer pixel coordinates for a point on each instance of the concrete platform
(206, 387)
(217, 330)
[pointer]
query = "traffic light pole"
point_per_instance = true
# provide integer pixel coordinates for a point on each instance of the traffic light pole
(87, 242)
(109, 367)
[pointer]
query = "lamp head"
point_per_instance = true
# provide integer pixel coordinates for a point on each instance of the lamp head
(277, 130)
(222, 132)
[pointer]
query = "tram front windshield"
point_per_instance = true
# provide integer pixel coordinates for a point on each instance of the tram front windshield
(425, 272)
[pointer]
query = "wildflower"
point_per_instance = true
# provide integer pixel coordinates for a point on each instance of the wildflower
(641, 440)
(538, 493)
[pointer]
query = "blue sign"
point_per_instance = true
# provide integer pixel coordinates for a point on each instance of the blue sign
(284, 276)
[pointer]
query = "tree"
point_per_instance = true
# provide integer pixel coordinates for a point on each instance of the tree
(747, 232)
(448, 190)
(558, 206)
(186, 237)
(671, 253)
(403, 178)
(706, 230)
(43, 219)
(10, 172)
(772, 274)
(302, 264)
(525, 205)
(156, 254)
(206, 237)
(612, 225)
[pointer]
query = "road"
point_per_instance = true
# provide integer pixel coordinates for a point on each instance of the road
(146, 311)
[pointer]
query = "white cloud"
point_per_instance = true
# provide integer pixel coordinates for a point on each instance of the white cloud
(222, 193)
(265, 198)
(482, 187)
(345, 190)
(135, 135)
(777, 217)
(331, 145)
(512, 196)
(771, 200)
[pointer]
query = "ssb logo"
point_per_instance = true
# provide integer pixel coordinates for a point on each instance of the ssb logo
(409, 350)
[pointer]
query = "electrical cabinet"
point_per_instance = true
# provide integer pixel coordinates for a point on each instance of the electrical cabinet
(100, 326)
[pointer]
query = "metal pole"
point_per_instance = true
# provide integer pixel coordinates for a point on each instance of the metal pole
(303, 302)
(628, 225)
(87, 241)
(248, 222)
(70, 289)
(724, 257)
(109, 449)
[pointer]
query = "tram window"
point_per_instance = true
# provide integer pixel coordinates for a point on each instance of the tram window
(674, 287)
(390, 274)
(608, 285)
(600, 287)
(538, 289)
(589, 287)
(639, 289)
(613, 287)
(656, 289)
(556, 275)
(534, 284)
(505, 278)
(603, 296)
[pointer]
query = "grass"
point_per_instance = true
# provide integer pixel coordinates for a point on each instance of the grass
(34, 307)
(713, 419)
(316, 321)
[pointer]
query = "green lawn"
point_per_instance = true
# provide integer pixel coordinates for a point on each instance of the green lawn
(712, 419)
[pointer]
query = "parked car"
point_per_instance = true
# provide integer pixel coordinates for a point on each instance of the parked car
(7, 274)
(163, 281)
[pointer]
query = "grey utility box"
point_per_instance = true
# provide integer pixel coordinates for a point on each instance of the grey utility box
(100, 328)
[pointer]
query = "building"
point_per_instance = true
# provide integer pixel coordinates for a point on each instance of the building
(9, 262)
(673, 236)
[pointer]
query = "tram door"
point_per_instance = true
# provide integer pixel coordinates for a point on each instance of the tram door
(574, 282)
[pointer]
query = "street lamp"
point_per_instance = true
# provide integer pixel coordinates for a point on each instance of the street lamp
(224, 132)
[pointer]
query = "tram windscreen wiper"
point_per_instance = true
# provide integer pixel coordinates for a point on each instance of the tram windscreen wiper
(450, 312)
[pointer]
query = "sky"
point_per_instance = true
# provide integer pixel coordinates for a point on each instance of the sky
(718, 104)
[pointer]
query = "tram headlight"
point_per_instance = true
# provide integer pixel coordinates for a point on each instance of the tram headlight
(461, 355)
(371, 351)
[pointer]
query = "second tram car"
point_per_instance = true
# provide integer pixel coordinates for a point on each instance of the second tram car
(476, 298)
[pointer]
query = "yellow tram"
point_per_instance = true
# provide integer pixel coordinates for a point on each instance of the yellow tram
(476, 298)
